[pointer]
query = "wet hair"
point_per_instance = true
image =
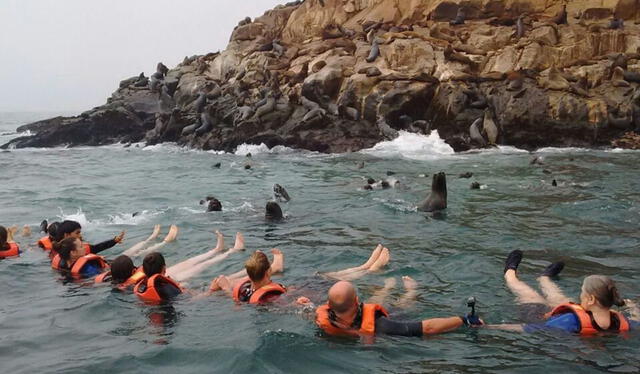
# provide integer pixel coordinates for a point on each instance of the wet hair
(53, 230)
(64, 247)
(153, 264)
(121, 269)
(603, 289)
(3, 238)
(67, 227)
(257, 266)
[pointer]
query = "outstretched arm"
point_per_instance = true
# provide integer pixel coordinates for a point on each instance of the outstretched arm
(440, 325)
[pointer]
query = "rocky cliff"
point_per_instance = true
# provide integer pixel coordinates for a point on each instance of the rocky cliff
(341, 75)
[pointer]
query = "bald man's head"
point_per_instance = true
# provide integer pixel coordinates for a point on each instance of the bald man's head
(342, 297)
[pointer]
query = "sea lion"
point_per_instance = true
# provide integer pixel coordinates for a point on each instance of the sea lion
(374, 53)
(437, 199)
(200, 102)
(313, 115)
(555, 80)
(489, 127)
(561, 17)
(371, 181)
(43, 226)
(459, 20)
(520, 31)
(142, 81)
(475, 186)
(217, 165)
(206, 126)
(349, 112)
(273, 212)
(451, 55)
(516, 80)
(632, 76)
(189, 129)
(371, 36)
(162, 69)
(617, 78)
(243, 114)
(278, 48)
(466, 175)
(268, 107)
(280, 193)
(554, 183)
(213, 204)
(474, 133)
(622, 123)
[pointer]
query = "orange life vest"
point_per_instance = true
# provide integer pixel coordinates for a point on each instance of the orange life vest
(258, 295)
(45, 243)
(13, 251)
(131, 281)
(76, 268)
(586, 325)
(368, 326)
(146, 290)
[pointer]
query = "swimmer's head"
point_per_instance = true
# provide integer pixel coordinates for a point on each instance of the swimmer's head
(53, 231)
(342, 297)
(69, 249)
(257, 266)
(153, 264)
(70, 229)
(121, 269)
(599, 290)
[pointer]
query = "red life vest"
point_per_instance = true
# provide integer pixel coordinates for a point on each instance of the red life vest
(260, 294)
(131, 281)
(586, 325)
(146, 289)
(45, 243)
(76, 268)
(368, 326)
(13, 251)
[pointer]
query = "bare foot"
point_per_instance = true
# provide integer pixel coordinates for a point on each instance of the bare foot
(219, 242)
(277, 265)
(154, 234)
(389, 283)
(382, 261)
(239, 244)
(214, 286)
(26, 231)
(374, 256)
(172, 235)
(409, 283)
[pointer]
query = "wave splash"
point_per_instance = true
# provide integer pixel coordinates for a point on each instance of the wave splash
(412, 146)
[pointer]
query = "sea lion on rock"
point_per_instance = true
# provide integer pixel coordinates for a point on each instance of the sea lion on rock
(162, 69)
(451, 55)
(617, 78)
(313, 115)
(374, 53)
(616, 23)
(489, 127)
(206, 125)
(474, 133)
(189, 129)
(280, 193)
(561, 17)
(520, 30)
(349, 112)
(273, 212)
(459, 20)
(555, 80)
(632, 76)
(268, 107)
(200, 102)
(622, 123)
(243, 114)
(278, 48)
(437, 199)
(318, 66)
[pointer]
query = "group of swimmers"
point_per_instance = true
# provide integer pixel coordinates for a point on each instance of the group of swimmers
(343, 314)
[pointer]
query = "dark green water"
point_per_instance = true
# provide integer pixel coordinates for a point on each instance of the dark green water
(590, 221)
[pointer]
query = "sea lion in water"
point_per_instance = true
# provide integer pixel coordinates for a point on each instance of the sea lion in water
(617, 78)
(273, 212)
(466, 175)
(213, 204)
(43, 226)
(459, 20)
(475, 186)
(489, 127)
(474, 133)
(561, 17)
(437, 199)
(374, 53)
(280, 193)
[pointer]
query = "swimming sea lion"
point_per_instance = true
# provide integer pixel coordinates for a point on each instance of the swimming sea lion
(554, 183)
(217, 165)
(466, 175)
(437, 199)
(273, 212)
(489, 127)
(617, 78)
(43, 226)
(475, 186)
(474, 133)
(213, 204)
(374, 53)
(459, 20)
(280, 193)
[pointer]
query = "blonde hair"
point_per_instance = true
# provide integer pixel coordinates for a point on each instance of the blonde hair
(257, 266)
(603, 289)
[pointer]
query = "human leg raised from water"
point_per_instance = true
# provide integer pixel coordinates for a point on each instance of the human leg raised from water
(171, 236)
(136, 248)
(523, 292)
(379, 258)
(381, 294)
(410, 293)
(551, 291)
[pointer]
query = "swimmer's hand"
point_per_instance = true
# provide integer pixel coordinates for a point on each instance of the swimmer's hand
(303, 300)
(118, 239)
(472, 320)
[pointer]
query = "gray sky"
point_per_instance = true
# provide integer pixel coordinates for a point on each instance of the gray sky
(70, 55)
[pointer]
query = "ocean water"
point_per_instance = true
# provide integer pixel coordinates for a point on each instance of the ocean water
(590, 220)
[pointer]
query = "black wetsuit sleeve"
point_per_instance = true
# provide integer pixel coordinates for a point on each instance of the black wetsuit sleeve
(97, 248)
(389, 327)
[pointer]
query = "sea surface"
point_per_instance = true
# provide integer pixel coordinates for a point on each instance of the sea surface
(590, 221)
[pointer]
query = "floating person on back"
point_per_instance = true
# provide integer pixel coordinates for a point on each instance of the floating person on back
(71, 258)
(591, 316)
(8, 248)
(345, 315)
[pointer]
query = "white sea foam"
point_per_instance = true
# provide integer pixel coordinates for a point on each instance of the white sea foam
(254, 149)
(563, 150)
(412, 146)
(131, 219)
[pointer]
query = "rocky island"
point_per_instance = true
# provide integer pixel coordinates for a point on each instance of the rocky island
(342, 75)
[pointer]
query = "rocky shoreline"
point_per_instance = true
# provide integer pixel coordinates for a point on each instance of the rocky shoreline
(343, 75)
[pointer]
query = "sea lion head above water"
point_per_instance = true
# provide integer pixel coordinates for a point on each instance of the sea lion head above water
(437, 199)
(273, 212)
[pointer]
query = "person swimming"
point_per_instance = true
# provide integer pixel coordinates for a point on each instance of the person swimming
(8, 248)
(46, 242)
(72, 229)
(156, 286)
(592, 315)
(71, 258)
(345, 315)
